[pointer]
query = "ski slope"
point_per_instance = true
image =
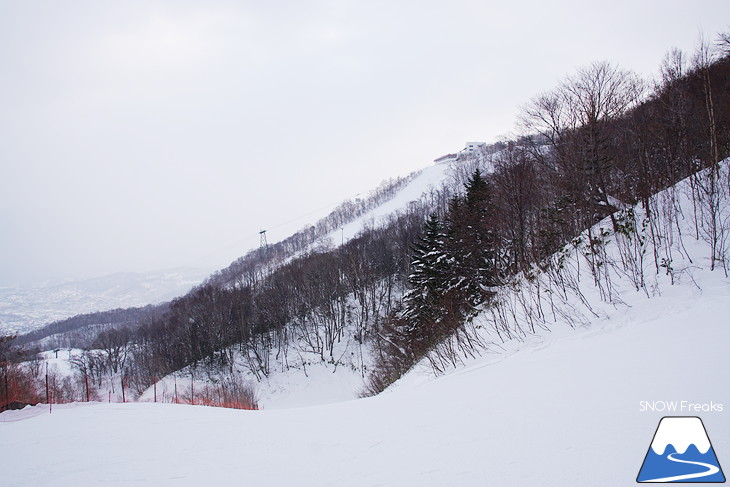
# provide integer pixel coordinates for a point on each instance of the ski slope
(316, 382)
(430, 177)
(562, 409)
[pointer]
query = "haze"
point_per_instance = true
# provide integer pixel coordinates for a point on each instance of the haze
(144, 135)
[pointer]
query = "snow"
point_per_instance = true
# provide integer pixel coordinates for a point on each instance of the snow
(60, 362)
(319, 384)
(553, 408)
(23, 309)
(315, 384)
(431, 177)
(562, 409)
(309, 381)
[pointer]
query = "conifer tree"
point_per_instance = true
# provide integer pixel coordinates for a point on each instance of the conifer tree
(473, 243)
(427, 282)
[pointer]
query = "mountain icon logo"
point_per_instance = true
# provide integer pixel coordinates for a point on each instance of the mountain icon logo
(681, 452)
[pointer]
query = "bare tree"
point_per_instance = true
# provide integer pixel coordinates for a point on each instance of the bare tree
(86, 365)
(723, 42)
(708, 185)
(576, 122)
(115, 344)
(673, 66)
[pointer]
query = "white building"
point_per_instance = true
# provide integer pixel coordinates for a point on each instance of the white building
(469, 148)
(474, 147)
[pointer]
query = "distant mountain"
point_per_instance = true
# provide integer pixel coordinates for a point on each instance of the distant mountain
(23, 309)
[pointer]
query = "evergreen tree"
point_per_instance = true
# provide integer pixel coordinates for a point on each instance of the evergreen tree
(453, 267)
(430, 271)
(473, 244)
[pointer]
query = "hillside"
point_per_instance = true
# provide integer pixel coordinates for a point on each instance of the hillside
(548, 307)
(528, 325)
(387, 281)
(558, 408)
(580, 361)
(305, 378)
(28, 308)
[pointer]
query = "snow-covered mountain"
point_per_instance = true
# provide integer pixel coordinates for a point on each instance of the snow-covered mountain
(557, 397)
(556, 408)
(428, 180)
(23, 309)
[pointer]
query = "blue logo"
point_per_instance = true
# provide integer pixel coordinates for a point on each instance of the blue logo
(681, 452)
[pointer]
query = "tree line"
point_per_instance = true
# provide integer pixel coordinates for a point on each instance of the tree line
(595, 146)
(599, 143)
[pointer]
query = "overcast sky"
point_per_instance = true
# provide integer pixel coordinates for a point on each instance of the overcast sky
(144, 135)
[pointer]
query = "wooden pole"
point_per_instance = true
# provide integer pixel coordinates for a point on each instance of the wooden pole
(7, 389)
(48, 393)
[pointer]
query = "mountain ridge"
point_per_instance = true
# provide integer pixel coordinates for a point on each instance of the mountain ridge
(24, 309)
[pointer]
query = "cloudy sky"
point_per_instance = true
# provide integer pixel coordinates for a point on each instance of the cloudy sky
(143, 135)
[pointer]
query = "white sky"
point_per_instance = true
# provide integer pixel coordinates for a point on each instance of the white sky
(144, 135)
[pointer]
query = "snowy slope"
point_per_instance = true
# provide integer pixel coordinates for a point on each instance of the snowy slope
(23, 309)
(561, 407)
(422, 188)
(430, 178)
(307, 380)
(562, 412)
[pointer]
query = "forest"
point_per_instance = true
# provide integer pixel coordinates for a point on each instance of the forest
(593, 147)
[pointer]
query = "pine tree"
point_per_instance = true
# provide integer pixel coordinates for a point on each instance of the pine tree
(454, 267)
(473, 244)
(427, 282)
